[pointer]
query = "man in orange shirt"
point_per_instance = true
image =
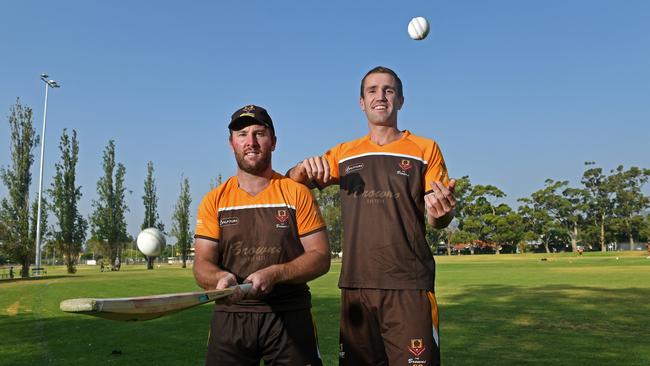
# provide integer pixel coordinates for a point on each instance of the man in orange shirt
(262, 228)
(389, 180)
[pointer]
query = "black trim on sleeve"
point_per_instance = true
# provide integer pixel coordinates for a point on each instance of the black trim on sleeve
(314, 231)
(206, 238)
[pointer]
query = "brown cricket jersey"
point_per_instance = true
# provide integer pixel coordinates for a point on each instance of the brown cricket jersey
(382, 200)
(254, 232)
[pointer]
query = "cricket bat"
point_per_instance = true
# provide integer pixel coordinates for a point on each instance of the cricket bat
(145, 307)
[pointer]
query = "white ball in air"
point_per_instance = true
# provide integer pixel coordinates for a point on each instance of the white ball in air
(418, 28)
(151, 242)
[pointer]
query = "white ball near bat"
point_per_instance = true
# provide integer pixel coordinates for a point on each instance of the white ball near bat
(151, 242)
(418, 28)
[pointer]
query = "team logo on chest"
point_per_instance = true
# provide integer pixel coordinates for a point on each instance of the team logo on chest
(405, 165)
(282, 216)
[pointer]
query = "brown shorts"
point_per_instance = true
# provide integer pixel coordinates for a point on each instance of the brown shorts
(281, 338)
(388, 327)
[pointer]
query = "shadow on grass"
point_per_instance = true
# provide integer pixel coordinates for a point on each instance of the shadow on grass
(481, 325)
(31, 279)
(545, 325)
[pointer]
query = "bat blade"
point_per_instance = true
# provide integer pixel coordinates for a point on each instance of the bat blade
(144, 307)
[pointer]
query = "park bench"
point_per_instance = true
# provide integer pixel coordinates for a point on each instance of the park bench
(37, 271)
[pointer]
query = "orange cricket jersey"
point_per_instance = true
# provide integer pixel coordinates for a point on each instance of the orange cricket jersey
(254, 232)
(382, 202)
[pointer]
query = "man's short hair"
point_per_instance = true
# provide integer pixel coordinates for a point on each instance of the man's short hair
(384, 70)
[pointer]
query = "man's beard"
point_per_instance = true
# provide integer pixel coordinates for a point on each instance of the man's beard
(256, 168)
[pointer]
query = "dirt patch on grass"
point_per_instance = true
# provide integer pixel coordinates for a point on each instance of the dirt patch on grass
(12, 310)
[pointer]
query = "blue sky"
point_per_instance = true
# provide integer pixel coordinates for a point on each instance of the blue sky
(513, 91)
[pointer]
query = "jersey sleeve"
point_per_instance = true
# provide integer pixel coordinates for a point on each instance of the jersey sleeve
(308, 215)
(333, 156)
(436, 168)
(207, 219)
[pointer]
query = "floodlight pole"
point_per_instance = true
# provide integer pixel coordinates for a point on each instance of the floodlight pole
(48, 84)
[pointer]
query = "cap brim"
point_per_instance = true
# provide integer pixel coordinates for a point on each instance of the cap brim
(245, 121)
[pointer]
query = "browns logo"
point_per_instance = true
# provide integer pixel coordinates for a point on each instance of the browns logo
(405, 164)
(282, 216)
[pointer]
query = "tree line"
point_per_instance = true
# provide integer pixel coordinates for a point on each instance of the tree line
(605, 208)
(107, 222)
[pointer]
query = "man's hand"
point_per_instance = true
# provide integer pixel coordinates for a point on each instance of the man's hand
(225, 280)
(263, 281)
(315, 168)
(440, 203)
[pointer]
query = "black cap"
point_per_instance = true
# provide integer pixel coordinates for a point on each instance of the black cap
(250, 115)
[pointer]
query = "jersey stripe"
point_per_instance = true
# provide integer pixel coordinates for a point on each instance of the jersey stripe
(382, 154)
(266, 205)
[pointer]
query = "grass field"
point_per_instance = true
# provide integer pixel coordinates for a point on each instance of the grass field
(495, 310)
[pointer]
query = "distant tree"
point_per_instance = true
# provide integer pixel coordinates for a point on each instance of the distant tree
(461, 195)
(561, 205)
(599, 201)
(481, 214)
(14, 210)
(108, 223)
(629, 200)
(65, 195)
(509, 231)
(538, 223)
(217, 182)
(329, 202)
(644, 232)
(150, 200)
(181, 220)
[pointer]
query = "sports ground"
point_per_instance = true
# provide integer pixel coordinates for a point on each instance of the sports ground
(495, 310)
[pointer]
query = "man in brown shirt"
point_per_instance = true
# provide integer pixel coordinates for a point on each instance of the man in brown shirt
(389, 179)
(262, 228)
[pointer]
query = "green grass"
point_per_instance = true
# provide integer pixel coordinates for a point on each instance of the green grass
(495, 310)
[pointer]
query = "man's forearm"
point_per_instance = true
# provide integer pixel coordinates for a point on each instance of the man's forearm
(207, 274)
(305, 268)
(441, 222)
(297, 174)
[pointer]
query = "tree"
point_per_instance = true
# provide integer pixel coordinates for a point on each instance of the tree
(150, 200)
(65, 196)
(329, 202)
(480, 215)
(455, 228)
(538, 223)
(181, 220)
(15, 210)
(599, 200)
(217, 182)
(560, 210)
(108, 224)
(629, 200)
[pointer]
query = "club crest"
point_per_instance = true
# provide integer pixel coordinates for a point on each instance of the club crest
(282, 216)
(416, 347)
(405, 164)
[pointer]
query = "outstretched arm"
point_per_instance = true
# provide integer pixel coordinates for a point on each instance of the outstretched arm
(313, 263)
(315, 169)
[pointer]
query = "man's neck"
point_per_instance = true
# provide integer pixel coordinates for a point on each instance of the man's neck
(254, 184)
(384, 135)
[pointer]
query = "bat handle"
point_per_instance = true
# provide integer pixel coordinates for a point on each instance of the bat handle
(245, 287)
